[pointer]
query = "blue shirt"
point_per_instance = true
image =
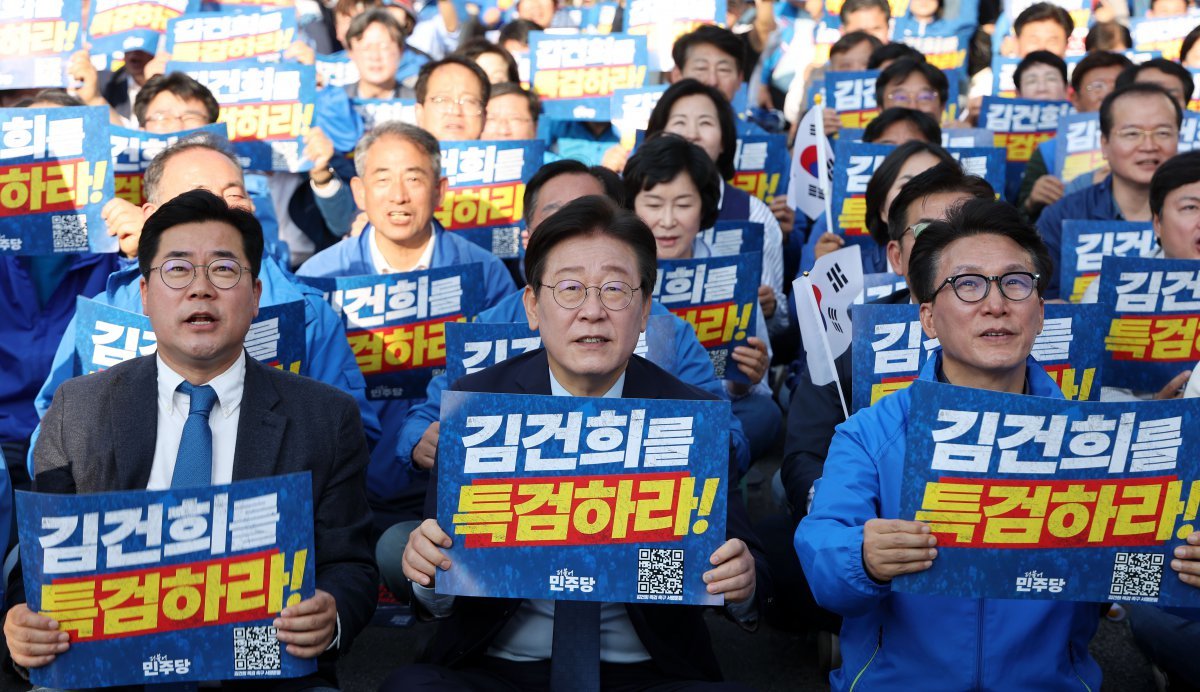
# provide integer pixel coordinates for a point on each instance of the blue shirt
(1093, 203)
(573, 139)
(391, 477)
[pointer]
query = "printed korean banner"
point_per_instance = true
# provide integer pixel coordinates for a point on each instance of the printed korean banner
(107, 335)
(1020, 125)
(119, 26)
(170, 585)
(247, 5)
(473, 346)
(37, 39)
(761, 164)
(630, 110)
(967, 138)
(892, 349)
(943, 52)
(218, 37)
(395, 323)
(733, 238)
(1194, 104)
(852, 95)
(856, 163)
(582, 498)
(1061, 501)
(336, 69)
(594, 19)
(663, 21)
(1004, 72)
(1162, 34)
(879, 286)
(376, 111)
(986, 162)
(266, 109)
(1077, 146)
(54, 181)
(1154, 310)
(1086, 243)
(718, 297)
(132, 152)
(576, 75)
(486, 198)
(1189, 132)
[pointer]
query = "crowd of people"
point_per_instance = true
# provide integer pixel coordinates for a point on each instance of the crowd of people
(980, 262)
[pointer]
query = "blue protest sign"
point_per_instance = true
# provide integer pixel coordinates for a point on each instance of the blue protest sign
(485, 200)
(1077, 146)
(630, 110)
(1086, 243)
(170, 585)
(1061, 501)
(663, 21)
(132, 152)
(967, 137)
(375, 111)
(596, 499)
(761, 163)
(1019, 126)
(1162, 34)
(891, 348)
(852, 95)
(733, 238)
(217, 37)
(718, 297)
(856, 163)
(987, 162)
(577, 75)
(54, 180)
(119, 26)
(880, 285)
(36, 42)
(336, 69)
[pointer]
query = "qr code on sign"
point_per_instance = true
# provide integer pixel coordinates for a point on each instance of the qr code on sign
(69, 232)
(1136, 576)
(255, 649)
(660, 572)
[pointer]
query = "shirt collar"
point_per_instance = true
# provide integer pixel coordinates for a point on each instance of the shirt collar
(228, 386)
(381, 265)
(614, 392)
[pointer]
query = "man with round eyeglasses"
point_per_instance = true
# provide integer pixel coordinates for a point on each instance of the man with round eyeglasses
(452, 96)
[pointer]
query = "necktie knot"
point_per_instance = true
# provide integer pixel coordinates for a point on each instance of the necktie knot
(203, 398)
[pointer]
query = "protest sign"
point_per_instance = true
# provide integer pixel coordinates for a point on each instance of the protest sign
(718, 297)
(170, 585)
(631, 109)
(132, 152)
(486, 197)
(54, 180)
(1077, 146)
(663, 21)
(582, 498)
(1061, 501)
(1086, 243)
(117, 27)
(1154, 310)
(336, 69)
(1019, 126)
(852, 95)
(107, 335)
(593, 19)
(266, 109)
(856, 163)
(217, 37)
(1189, 132)
(395, 323)
(892, 349)
(1194, 104)
(1003, 76)
(879, 286)
(987, 162)
(943, 52)
(575, 76)
(37, 39)
(760, 163)
(1162, 34)
(967, 137)
(248, 5)
(733, 238)
(376, 111)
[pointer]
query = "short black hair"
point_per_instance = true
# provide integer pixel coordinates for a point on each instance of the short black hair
(720, 38)
(885, 175)
(1040, 57)
(851, 6)
(973, 218)
(1105, 36)
(942, 178)
(375, 15)
(1041, 12)
(663, 157)
(508, 88)
(1188, 42)
(1170, 67)
(480, 46)
(429, 68)
(610, 181)
(850, 41)
(1136, 89)
(1095, 60)
(902, 68)
(58, 97)
(181, 85)
(518, 30)
(728, 122)
(889, 52)
(593, 215)
(1174, 173)
(198, 206)
(924, 122)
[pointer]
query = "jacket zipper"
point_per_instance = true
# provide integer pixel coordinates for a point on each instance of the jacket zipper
(1071, 653)
(878, 646)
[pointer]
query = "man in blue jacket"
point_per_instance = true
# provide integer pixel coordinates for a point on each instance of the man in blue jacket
(399, 185)
(850, 545)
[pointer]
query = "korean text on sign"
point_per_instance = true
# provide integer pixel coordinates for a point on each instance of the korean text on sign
(577, 75)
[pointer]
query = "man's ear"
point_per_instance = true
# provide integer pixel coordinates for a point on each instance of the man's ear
(926, 313)
(142, 287)
(529, 300)
(359, 191)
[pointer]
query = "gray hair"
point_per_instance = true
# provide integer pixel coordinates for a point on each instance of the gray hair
(200, 140)
(403, 131)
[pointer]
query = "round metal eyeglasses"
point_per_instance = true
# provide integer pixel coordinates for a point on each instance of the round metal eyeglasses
(224, 273)
(614, 295)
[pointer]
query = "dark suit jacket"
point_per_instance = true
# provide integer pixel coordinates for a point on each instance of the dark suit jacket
(674, 635)
(99, 435)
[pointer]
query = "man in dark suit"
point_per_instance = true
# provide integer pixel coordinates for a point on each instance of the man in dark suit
(589, 245)
(132, 427)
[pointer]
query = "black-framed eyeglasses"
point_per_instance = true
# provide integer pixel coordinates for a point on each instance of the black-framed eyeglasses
(224, 273)
(972, 288)
(614, 295)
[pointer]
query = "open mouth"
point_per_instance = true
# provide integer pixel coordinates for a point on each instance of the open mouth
(592, 340)
(201, 319)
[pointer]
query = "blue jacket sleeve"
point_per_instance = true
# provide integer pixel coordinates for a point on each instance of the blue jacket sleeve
(1049, 226)
(331, 361)
(497, 282)
(62, 368)
(339, 210)
(420, 417)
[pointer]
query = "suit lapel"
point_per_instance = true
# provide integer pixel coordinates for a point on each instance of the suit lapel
(639, 380)
(134, 420)
(260, 429)
(533, 376)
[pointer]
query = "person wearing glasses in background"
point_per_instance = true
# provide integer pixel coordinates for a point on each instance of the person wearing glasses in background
(452, 95)
(979, 277)
(915, 84)
(512, 114)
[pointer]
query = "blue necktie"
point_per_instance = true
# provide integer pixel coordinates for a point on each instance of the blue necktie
(575, 653)
(193, 465)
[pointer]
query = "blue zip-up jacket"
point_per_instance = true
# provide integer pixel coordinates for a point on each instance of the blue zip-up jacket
(1093, 203)
(692, 365)
(327, 355)
(29, 333)
(901, 641)
(391, 478)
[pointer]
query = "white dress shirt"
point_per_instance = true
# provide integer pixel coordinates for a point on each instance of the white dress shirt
(772, 256)
(383, 267)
